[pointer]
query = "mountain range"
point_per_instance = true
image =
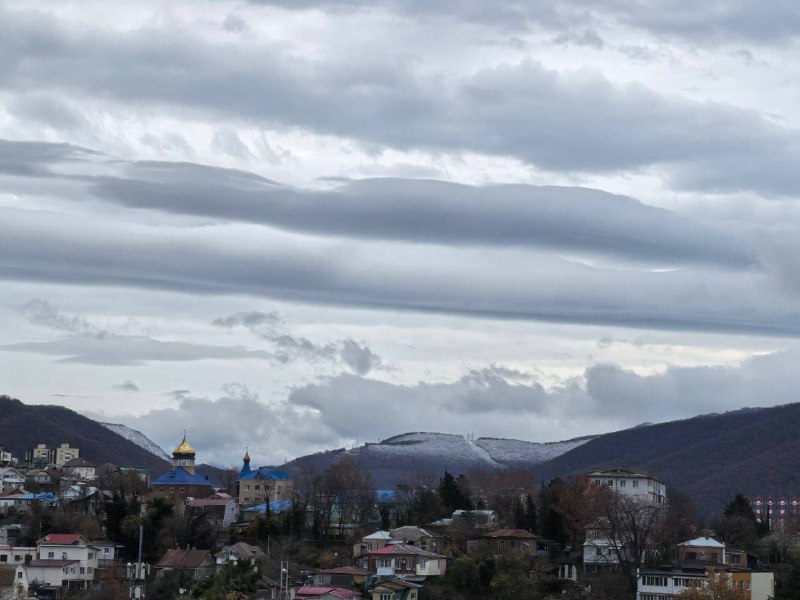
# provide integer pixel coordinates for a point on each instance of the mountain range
(710, 458)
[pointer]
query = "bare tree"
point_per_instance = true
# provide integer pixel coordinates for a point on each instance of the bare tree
(633, 534)
(717, 586)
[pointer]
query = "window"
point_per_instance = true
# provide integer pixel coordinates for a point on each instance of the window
(4, 558)
(91, 555)
(19, 575)
(384, 562)
(246, 488)
(63, 556)
(713, 557)
(258, 488)
(635, 483)
(654, 580)
(422, 562)
(387, 596)
(17, 558)
(51, 555)
(622, 483)
(89, 569)
(83, 570)
(691, 555)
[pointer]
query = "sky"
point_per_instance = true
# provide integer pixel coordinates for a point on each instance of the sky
(296, 225)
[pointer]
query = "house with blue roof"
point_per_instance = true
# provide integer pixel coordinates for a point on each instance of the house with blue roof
(182, 481)
(261, 485)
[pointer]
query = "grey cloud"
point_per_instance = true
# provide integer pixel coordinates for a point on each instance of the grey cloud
(127, 386)
(428, 211)
(713, 21)
(578, 123)
(358, 357)
(587, 37)
(241, 260)
(48, 111)
(130, 350)
(42, 312)
(272, 431)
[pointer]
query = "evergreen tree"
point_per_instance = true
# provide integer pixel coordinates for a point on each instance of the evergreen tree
(452, 495)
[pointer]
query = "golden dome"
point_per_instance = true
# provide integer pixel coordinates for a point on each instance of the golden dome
(184, 449)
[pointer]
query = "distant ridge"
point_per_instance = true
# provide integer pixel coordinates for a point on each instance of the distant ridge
(709, 457)
(22, 426)
(400, 458)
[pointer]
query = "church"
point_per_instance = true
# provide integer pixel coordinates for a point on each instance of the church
(181, 481)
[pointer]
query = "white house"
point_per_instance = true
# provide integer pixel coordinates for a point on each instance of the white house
(16, 555)
(65, 558)
(632, 483)
(11, 479)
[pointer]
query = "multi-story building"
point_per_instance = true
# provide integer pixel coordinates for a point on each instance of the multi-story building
(64, 560)
(404, 561)
(775, 510)
(65, 453)
(709, 550)
(634, 484)
(666, 582)
(11, 479)
(80, 468)
(256, 486)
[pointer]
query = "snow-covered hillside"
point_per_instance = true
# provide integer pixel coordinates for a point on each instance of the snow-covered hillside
(402, 457)
(138, 438)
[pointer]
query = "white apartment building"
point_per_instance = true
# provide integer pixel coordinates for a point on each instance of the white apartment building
(633, 484)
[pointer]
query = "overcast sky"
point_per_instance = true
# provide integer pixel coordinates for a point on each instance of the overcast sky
(304, 224)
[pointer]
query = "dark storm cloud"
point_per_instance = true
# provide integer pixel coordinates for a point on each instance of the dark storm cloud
(577, 122)
(428, 211)
(492, 283)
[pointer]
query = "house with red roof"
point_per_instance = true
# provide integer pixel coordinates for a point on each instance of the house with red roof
(325, 593)
(63, 560)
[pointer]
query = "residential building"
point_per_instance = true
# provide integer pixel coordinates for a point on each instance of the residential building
(394, 589)
(108, 553)
(13, 555)
(62, 560)
(20, 501)
(10, 535)
(276, 507)
(11, 479)
(325, 593)
(84, 499)
(181, 481)
(634, 484)
(80, 468)
(505, 542)
(41, 455)
(667, 581)
(38, 479)
(350, 577)
(195, 564)
(775, 510)
(220, 510)
(261, 485)
(405, 562)
(417, 536)
(65, 453)
(373, 541)
(240, 551)
(6, 458)
(709, 550)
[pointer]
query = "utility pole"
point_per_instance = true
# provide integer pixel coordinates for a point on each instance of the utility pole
(137, 573)
(284, 592)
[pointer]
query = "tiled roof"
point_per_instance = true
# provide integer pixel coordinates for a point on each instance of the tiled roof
(78, 462)
(180, 476)
(265, 473)
(510, 533)
(183, 559)
(343, 571)
(62, 539)
(51, 563)
(404, 549)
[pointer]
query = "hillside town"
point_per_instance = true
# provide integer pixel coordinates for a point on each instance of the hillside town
(70, 528)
